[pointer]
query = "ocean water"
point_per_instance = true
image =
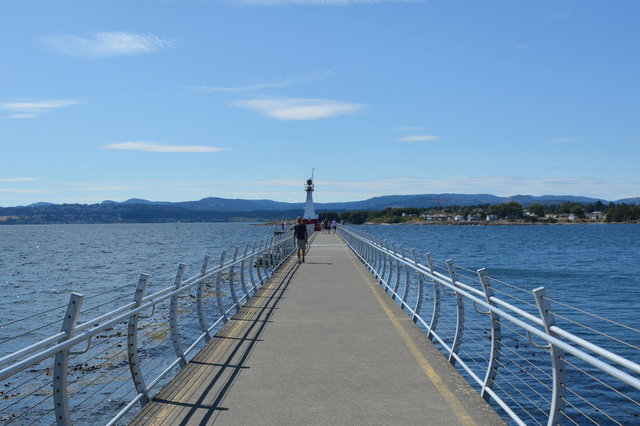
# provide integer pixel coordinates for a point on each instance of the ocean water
(41, 265)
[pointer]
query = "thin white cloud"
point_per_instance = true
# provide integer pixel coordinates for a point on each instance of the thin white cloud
(19, 116)
(25, 179)
(35, 109)
(300, 108)
(21, 191)
(417, 138)
(564, 140)
(106, 44)
(157, 147)
(291, 80)
(315, 2)
(109, 188)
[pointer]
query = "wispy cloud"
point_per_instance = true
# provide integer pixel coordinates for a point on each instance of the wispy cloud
(417, 138)
(564, 140)
(35, 109)
(106, 44)
(24, 179)
(21, 191)
(291, 80)
(300, 108)
(157, 147)
(315, 2)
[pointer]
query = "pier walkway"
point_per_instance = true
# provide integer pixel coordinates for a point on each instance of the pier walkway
(321, 343)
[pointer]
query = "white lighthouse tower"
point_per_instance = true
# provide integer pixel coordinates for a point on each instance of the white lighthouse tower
(310, 218)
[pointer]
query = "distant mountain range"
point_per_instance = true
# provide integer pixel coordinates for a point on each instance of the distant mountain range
(215, 204)
(376, 203)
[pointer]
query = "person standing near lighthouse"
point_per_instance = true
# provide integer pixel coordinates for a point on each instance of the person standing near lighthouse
(300, 237)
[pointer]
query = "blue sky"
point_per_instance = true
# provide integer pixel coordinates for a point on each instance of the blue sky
(176, 100)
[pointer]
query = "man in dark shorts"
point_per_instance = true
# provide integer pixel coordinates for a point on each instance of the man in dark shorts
(300, 238)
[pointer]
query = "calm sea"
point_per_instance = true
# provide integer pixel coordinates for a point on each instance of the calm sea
(42, 264)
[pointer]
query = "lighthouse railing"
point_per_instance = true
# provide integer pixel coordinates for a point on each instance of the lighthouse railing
(534, 358)
(97, 369)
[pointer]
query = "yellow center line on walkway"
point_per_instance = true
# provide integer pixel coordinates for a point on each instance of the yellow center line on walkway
(450, 399)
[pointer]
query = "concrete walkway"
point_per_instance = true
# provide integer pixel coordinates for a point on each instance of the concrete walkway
(322, 344)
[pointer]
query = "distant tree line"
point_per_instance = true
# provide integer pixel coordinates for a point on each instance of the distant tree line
(623, 213)
(510, 211)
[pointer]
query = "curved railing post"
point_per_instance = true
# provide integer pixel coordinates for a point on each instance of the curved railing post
(270, 253)
(389, 262)
(243, 282)
(279, 251)
(437, 298)
(234, 296)
(199, 302)
(173, 317)
(252, 263)
(420, 295)
(494, 355)
(232, 276)
(557, 363)
(223, 312)
(259, 262)
(383, 257)
(61, 361)
(132, 343)
(407, 281)
(377, 258)
(457, 340)
(397, 283)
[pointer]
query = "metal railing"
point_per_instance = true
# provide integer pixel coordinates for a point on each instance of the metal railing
(96, 371)
(533, 358)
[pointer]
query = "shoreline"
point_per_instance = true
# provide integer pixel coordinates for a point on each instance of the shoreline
(499, 223)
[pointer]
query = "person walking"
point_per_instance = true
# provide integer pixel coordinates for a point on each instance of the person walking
(300, 238)
(334, 225)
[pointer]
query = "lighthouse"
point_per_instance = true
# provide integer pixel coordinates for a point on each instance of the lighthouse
(310, 218)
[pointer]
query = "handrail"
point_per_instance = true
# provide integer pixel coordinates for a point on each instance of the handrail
(246, 271)
(565, 348)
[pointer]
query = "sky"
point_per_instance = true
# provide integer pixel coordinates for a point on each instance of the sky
(178, 100)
